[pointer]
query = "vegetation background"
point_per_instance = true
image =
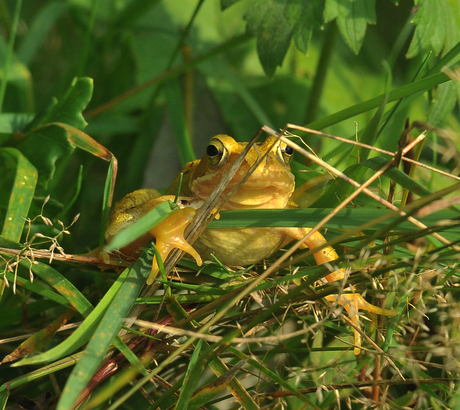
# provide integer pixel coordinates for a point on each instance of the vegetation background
(150, 81)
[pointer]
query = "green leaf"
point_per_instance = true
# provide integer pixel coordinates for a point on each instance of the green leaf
(54, 141)
(11, 123)
(21, 194)
(224, 4)
(276, 22)
(44, 147)
(352, 16)
(444, 103)
(105, 333)
(430, 20)
(68, 109)
(310, 17)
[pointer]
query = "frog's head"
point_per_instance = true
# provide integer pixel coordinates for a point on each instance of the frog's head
(269, 186)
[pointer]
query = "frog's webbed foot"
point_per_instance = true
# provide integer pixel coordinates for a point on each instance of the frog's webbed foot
(352, 302)
(169, 234)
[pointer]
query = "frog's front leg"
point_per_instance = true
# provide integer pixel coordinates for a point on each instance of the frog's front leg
(351, 301)
(169, 234)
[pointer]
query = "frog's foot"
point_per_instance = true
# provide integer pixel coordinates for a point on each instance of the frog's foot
(169, 234)
(352, 302)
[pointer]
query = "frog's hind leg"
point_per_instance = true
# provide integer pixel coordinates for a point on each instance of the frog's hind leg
(351, 301)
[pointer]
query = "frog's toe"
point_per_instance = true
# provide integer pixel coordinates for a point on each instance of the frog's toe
(169, 234)
(352, 302)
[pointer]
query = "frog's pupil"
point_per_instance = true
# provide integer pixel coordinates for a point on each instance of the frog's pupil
(289, 150)
(212, 150)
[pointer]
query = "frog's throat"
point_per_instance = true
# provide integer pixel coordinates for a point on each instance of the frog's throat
(260, 188)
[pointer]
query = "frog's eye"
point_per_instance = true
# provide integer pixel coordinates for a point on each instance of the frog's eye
(215, 152)
(287, 152)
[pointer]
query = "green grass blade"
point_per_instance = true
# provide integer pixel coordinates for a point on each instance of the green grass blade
(38, 31)
(394, 95)
(192, 377)
(9, 52)
(105, 333)
(176, 112)
(38, 289)
(83, 332)
(62, 285)
(22, 192)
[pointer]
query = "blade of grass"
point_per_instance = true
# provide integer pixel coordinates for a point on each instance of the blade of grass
(175, 104)
(88, 35)
(106, 331)
(394, 95)
(22, 192)
(37, 32)
(62, 285)
(83, 333)
(9, 53)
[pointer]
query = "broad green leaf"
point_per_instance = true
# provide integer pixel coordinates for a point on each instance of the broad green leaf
(276, 22)
(11, 123)
(21, 194)
(443, 104)
(55, 141)
(430, 33)
(352, 16)
(310, 18)
(105, 333)
(68, 109)
(44, 147)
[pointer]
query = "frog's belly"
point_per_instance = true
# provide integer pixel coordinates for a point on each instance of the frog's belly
(238, 246)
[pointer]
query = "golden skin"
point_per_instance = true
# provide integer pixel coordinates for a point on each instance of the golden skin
(270, 186)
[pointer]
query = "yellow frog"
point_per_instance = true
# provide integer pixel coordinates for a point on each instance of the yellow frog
(270, 186)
